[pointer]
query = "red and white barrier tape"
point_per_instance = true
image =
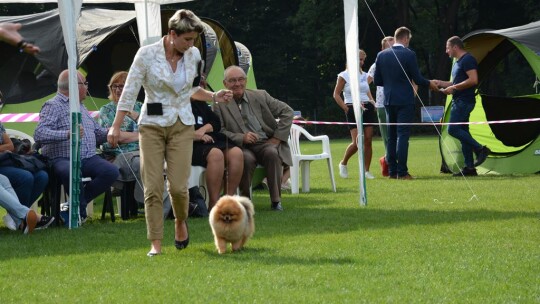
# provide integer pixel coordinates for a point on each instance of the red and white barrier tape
(421, 123)
(34, 117)
(29, 117)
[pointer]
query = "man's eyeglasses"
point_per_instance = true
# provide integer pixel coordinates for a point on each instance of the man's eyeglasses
(84, 83)
(117, 86)
(234, 80)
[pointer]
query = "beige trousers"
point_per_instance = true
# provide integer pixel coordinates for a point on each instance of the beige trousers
(174, 145)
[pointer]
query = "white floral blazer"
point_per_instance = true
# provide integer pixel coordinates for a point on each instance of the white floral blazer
(151, 70)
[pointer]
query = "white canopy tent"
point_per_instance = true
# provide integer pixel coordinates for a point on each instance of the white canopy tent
(149, 26)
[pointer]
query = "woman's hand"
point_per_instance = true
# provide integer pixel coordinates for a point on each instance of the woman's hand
(207, 139)
(222, 96)
(198, 134)
(113, 136)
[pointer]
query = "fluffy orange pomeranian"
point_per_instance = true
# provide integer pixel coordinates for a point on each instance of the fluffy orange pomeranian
(231, 220)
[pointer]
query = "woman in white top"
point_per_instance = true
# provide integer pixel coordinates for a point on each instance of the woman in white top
(368, 116)
(168, 71)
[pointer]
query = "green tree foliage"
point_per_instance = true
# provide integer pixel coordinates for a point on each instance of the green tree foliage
(318, 55)
(264, 27)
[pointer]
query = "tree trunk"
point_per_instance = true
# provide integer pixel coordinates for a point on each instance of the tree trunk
(403, 13)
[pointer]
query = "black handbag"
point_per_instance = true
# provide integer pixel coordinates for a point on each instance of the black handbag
(27, 162)
(197, 204)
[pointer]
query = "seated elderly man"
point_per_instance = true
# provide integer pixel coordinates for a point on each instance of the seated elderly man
(250, 122)
(53, 134)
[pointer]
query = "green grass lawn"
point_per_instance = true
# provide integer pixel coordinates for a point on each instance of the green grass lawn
(436, 239)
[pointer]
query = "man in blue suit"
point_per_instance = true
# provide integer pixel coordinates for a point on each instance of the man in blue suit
(396, 78)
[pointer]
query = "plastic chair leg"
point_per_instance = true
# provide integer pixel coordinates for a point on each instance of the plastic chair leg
(294, 178)
(305, 175)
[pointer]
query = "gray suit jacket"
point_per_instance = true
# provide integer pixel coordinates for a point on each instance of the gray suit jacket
(266, 109)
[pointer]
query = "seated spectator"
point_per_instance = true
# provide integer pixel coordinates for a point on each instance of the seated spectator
(27, 185)
(53, 134)
(250, 122)
(213, 150)
(20, 216)
(124, 156)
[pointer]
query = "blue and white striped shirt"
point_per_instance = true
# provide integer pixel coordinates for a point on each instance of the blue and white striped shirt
(54, 126)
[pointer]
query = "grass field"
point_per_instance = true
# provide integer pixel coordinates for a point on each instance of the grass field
(420, 241)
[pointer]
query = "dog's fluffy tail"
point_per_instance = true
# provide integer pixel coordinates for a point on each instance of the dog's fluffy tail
(247, 204)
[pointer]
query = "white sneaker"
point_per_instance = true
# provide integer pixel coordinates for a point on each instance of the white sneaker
(343, 171)
(286, 186)
(369, 175)
(9, 222)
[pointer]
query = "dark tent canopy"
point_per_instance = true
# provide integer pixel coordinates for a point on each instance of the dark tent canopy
(107, 41)
(24, 77)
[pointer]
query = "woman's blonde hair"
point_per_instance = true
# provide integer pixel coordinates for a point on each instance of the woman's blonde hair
(185, 21)
(360, 52)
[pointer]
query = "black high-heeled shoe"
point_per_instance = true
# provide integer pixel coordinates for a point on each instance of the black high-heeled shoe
(182, 244)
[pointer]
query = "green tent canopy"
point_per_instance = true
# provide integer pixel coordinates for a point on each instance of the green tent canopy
(515, 54)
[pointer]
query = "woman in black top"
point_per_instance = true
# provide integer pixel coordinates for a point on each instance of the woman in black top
(224, 161)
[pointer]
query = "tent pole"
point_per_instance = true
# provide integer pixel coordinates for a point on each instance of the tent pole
(353, 63)
(69, 12)
(146, 19)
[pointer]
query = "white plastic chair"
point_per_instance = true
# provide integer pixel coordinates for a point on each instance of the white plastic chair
(302, 161)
